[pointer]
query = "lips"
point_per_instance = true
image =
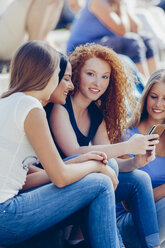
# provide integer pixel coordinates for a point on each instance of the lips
(65, 93)
(157, 111)
(94, 90)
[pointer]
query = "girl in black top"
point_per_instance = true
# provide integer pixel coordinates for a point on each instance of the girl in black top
(96, 112)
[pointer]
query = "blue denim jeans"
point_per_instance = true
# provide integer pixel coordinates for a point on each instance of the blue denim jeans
(129, 232)
(36, 210)
(135, 190)
(138, 47)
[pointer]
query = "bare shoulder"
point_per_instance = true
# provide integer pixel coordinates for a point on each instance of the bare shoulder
(34, 116)
(95, 4)
(59, 120)
(58, 111)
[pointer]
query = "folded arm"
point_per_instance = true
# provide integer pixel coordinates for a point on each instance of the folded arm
(66, 139)
(61, 174)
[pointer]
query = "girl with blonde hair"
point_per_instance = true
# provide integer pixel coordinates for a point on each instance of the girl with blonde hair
(150, 111)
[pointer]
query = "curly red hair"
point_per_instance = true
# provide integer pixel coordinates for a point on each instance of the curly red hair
(118, 97)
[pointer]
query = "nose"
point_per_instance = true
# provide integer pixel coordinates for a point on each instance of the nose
(96, 81)
(71, 86)
(159, 102)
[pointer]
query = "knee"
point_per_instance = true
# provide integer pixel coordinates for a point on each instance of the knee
(100, 181)
(141, 179)
(151, 46)
(135, 41)
(160, 209)
(114, 165)
(136, 49)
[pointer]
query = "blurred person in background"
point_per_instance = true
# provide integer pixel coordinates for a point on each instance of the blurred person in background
(110, 23)
(23, 20)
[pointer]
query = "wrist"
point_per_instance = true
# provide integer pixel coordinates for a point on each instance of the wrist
(93, 166)
(127, 147)
(135, 163)
(99, 167)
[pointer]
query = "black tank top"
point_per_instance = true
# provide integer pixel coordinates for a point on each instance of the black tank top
(96, 119)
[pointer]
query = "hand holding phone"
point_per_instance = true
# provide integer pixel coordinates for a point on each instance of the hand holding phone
(157, 129)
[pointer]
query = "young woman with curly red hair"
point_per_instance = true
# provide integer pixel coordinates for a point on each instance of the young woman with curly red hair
(96, 113)
(119, 88)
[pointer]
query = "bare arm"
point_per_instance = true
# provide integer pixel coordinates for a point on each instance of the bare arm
(37, 176)
(42, 17)
(137, 144)
(35, 179)
(95, 155)
(135, 23)
(38, 133)
(33, 168)
(129, 163)
(159, 192)
(126, 162)
(103, 11)
(66, 139)
(74, 5)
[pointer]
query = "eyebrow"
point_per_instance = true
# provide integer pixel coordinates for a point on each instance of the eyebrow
(67, 74)
(88, 69)
(153, 92)
(157, 94)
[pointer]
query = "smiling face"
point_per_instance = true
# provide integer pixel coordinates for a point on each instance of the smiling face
(94, 78)
(60, 93)
(156, 103)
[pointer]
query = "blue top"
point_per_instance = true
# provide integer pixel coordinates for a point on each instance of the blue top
(96, 119)
(86, 27)
(155, 169)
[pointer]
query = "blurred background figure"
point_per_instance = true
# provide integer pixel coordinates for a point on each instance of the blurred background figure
(23, 20)
(111, 23)
(161, 4)
(153, 18)
(70, 8)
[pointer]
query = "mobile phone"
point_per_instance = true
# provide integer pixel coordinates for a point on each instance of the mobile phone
(157, 129)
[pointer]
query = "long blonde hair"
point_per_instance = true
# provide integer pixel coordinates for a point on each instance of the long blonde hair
(141, 113)
(32, 67)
